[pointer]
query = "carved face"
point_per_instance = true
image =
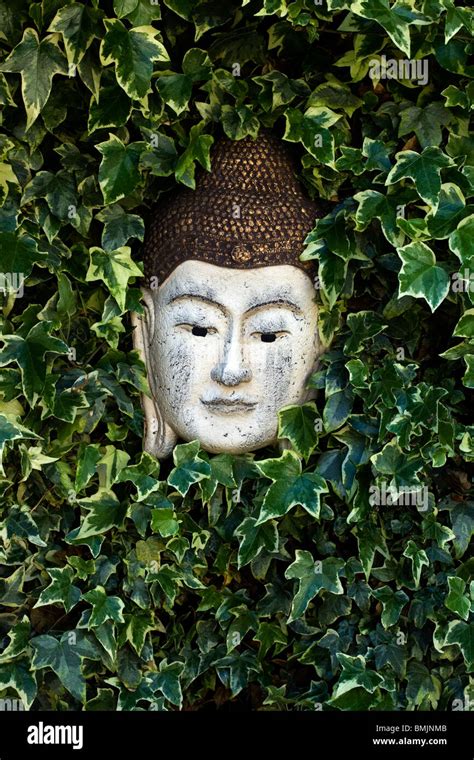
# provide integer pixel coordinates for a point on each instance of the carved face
(227, 348)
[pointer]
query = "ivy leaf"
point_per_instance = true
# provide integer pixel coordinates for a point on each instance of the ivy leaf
(17, 675)
(58, 189)
(143, 475)
(394, 19)
(61, 589)
(103, 607)
(37, 62)
(423, 687)
(255, 538)
(337, 409)
(375, 205)
(11, 431)
(119, 227)
(64, 657)
(392, 602)
(269, 635)
(297, 423)
(456, 18)
(198, 149)
(115, 268)
(168, 681)
(462, 634)
(20, 525)
(19, 637)
(112, 108)
(354, 677)
(175, 89)
(420, 276)
(424, 169)
(133, 52)
(78, 25)
(110, 466)
(163, 521)
(6, 175)
(313, 577)
(418, 559)
(290, 488)
(455, 600)
(88, 456)
(465, 326)
(138, 626)
(143, 11)
(29, 354)
(118, 171)
(312, 129)
(105, 512)
(425, 122)
(239, 122)
(461, 242)
(462, 521)
(189, 467)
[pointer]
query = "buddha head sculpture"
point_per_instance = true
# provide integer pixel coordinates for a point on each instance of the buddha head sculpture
(229, 334)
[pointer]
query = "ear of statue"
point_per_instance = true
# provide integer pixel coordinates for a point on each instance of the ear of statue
(159, 438)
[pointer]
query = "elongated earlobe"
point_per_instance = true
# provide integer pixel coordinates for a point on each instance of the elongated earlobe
(159, 438)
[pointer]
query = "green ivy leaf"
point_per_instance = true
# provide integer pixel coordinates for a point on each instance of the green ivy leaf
(255, 538)
(290, 488)
(64, 657)
(17, 675)
(167, 680)
(105, 512)
(103, 607)
(29, 354)
(461, 242)
(297, 423)
(112, 108)
(61, 589)
(313, 577)
(79, 25)
(375, 205)
(392, 602)
(455, 600)
(115, 268)
(19, 637)
(418, 559)
(118, 171)
(189, 467)
(138, 626)
(394, 19)
(37, 62)
(462, 634)
(133, 51)
(420, 276)
(424, 169)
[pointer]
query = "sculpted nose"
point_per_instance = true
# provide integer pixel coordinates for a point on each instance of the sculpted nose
(231, 371)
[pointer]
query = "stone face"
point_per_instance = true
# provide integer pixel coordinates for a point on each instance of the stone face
(225, 349)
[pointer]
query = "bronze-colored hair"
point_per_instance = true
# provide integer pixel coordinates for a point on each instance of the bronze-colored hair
(249, 211)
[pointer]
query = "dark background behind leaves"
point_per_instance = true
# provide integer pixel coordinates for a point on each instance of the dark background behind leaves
(217, 581)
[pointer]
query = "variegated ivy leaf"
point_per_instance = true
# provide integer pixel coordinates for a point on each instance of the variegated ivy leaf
(37, 61)
(115, 268)
(133, 51)
(420, 276)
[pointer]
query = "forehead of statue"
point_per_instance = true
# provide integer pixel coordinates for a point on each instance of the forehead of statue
(226, 288)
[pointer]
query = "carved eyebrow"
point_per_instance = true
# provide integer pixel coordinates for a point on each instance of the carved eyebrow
(275, 302)
(197, 296)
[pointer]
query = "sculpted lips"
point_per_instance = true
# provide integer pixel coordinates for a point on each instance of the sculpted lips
(222, 405)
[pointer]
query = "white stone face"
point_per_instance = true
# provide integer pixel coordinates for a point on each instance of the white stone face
(227, 348)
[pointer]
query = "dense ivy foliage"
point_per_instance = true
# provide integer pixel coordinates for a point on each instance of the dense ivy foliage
(308, 579)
